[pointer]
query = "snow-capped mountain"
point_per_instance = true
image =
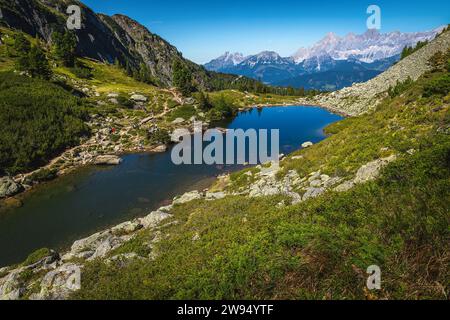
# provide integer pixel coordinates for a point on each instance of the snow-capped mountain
(266, 58)
(348, 59)
(225, 61)
(368, 47)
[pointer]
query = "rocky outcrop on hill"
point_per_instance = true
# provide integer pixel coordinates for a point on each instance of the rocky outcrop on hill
(101, 37)
(361, 98)
(55, 277)
(8, 187)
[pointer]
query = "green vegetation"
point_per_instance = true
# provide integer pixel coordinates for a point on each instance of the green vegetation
(400, 87)
(319, 249)
(159, 136)
(203, 101)
(182, 78)
(37, 121)
(36, 256)
(407, 51)
(439, 86)
(31, 58)
(64, 47)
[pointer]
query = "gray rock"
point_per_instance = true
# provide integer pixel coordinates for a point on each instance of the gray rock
(215, 195)
(60, 283)
(178, 121)
(154, 219)
(347, 185)
(316, 183)
(372, 170)
(138, 98)
(108, 160)
(313, 193)
(188, 197)
(10, 286)
(307, 144)
(9, 188)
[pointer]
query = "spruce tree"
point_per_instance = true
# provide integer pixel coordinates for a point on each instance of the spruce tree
(65, 46)
(38, 64)
(182, 78)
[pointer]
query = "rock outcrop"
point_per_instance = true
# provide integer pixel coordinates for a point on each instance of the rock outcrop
(103, 38)
(56, 277)
(8, 187)
(108, 160)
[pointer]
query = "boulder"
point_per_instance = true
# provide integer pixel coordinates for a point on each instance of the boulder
(138, 98)
(178, 121)
(10, 286)
(307, 144)
(188, 197)
(108, 160)
(215, 195)
(160, 149)
(313, 193)
(9, 188)
(153, 219)
(60, 283)
(372, 170)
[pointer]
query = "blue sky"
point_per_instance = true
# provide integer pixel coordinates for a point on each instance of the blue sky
(203, 29)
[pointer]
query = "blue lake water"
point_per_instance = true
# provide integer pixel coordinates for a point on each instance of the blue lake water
(93, 198)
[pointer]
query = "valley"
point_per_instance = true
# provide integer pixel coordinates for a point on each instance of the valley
(89, 192)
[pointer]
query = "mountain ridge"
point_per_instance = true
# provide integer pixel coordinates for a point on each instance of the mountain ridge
(369, 53)
(103, 38)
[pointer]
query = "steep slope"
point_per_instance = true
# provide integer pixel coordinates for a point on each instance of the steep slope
(363, 97)
(101, 37)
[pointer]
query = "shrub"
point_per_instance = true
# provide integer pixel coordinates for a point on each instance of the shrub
(82, 71)
(160, 136)
(38, 120)
(400, 87)
(36, 256)
(439, 86)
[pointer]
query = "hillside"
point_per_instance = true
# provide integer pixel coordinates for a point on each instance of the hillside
(376, 192)
(363, 97)
(103, 38)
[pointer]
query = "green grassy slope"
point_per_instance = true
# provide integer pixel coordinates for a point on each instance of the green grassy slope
(321, 248)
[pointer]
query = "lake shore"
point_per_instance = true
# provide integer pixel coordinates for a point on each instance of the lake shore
(68, 161)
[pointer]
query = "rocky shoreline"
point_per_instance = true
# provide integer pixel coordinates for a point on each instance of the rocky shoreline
(100, 149)
(51, 276)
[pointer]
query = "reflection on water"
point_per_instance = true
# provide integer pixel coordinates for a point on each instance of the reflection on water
(90, 199)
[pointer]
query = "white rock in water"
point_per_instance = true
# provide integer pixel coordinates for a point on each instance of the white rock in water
(109, 160)
(159, 149)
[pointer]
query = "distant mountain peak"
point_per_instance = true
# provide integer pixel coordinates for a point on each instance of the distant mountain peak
(225, 61)
(367, 47)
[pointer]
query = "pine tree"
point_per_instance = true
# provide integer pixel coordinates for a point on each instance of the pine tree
(203, 101)
(65, 46)
(21, 45)
(38, 64)
(182, 78)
